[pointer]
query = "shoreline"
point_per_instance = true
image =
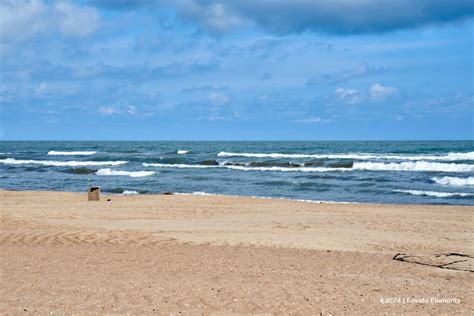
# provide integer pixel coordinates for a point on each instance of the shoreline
(226, 254)
(199, 193)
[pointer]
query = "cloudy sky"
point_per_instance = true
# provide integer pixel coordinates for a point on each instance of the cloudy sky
(236, 70)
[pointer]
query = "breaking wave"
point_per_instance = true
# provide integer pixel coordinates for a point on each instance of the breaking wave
(286, 169)
(355, 156)
(435, 194)
(177, 165)
(13, 161)
(129, 192)
(245, 168)
(71, 153)
(133, 174)
(455, 181)
(182, 152)
(413, 166)
(374, 166)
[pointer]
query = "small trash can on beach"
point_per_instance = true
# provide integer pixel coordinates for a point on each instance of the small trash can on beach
(93, 193)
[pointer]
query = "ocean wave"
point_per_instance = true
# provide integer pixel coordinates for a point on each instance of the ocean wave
(288, 164)
(435, 194)
(80, 170)
(209, 162)
(355, 156)
(226, 165)
(267, 198)
(133, 174)
(283, 169)
(197, 193)
(455, 181)
(71, 153)
(13, 161)
(129, 192)
(202, 193)
(124, 191)
(413, 166)
(177, 165)
(289, 167)
(182, 152)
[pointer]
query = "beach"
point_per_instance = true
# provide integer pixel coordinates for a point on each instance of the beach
(213, 254)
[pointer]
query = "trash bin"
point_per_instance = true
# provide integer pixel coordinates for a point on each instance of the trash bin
(93, 193)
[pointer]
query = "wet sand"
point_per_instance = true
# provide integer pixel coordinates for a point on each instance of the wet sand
(198, 255)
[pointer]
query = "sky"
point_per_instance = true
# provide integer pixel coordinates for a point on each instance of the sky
(237, 70)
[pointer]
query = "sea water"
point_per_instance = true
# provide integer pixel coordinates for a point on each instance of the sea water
(424, 172)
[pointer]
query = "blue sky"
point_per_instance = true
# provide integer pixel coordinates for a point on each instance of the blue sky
(236, 70)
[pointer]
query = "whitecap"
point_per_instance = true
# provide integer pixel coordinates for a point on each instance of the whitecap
(355, 156)
(455, 181)
(182, 152)
(413, 166)
(129, 192)
(13, 161)
(71, 153)
(434, 194)
(196, 193)
(164, 165)
(242, 168)
(283, 169)
(376, 166)
(133, 174)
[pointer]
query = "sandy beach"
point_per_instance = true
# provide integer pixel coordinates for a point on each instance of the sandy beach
(193, 255)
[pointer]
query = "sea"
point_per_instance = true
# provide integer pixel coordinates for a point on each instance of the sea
(391, 172)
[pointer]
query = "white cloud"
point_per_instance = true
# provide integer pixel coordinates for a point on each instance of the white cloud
(23, 19)
(379, 93)
(309, 120)
(217, 18)
(349, 96)
(108, 110)
(132, 110)
(129, 110)
(218, 98)
(76, 21)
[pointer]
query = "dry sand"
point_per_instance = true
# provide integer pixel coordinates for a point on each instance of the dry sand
(193, 255)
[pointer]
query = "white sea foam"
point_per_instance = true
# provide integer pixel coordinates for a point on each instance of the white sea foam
(283, 169)
(71, 153)
(242, 168)
(376, 166)
(182, 152)
(268, 198)
(455, 181)
(435, 194)
(129, 192)
(199, 193)
(13, 161)
(133, 174)
(413, 166)
(164, 165)
(355, 156)
(202, 193)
